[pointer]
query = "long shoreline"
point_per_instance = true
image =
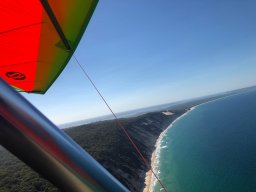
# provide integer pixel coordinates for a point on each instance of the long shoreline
(150, 180)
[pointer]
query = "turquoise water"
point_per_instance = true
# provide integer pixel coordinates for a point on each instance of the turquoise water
(212, 148)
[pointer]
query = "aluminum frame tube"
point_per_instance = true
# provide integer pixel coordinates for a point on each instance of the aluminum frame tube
(34, 139)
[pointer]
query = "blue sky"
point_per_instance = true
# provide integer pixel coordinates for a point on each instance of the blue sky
(144, 53)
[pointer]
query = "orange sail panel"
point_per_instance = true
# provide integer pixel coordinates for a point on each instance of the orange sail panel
(32, 54)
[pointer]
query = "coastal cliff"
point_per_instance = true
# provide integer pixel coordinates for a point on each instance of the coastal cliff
(107, 143)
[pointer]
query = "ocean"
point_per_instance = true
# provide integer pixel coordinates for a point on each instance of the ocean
(212, 148)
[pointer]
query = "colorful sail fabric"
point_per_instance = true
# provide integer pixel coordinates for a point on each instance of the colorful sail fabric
(32, 54)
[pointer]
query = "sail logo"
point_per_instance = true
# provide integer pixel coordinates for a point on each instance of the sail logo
(15, 75)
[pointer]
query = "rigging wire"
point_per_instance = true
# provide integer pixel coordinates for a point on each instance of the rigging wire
(119, 123)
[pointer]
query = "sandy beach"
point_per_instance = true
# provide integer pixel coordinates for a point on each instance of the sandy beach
(150, 180)
(149, 176)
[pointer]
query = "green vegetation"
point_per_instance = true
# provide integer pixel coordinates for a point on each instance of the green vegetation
(106, 142)
(15, 176)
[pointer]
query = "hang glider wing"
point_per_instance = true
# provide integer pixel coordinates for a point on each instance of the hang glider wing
(32, 52)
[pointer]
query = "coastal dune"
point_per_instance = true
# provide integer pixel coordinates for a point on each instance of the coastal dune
(106, 142)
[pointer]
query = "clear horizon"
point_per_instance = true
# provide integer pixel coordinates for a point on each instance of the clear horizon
(143, 54)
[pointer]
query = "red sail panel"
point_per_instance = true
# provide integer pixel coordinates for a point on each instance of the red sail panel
(32, 54)
(20, 29)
